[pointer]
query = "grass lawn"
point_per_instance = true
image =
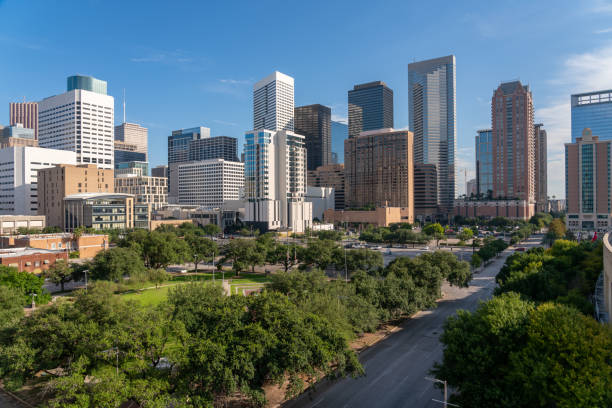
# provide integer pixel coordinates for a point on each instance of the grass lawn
(152, 296)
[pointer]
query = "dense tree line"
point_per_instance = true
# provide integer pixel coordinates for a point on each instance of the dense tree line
(400, 233)
(511, 353)
(521, 350)
(197, 349)
(565, 273)
(404, 287)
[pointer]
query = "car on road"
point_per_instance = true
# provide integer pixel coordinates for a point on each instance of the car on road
(426, 248)
(520, 249)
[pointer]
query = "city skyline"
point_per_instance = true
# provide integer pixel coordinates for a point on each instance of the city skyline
(175, 80)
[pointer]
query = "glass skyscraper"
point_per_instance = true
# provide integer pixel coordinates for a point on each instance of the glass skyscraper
(432, 114)
(178, 143)
(592, 110)
(314, 122)
(370, 107)
(484, 163)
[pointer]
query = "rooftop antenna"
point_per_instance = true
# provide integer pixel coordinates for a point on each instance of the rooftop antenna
(123, 105)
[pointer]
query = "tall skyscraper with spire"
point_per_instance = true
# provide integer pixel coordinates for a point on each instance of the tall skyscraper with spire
(432, 112)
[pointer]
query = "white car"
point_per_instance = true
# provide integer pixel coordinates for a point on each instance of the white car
(425, 248)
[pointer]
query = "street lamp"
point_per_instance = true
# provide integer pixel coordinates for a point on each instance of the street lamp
(33, 300)
(445, 392)
(213, 265)
(85, 271)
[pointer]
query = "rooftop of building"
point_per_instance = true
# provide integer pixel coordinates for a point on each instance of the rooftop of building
(47, 236)
(383, 131)
(511, 86)
(13, 252)
(275, 76)
(448, 59)
(87, 196)
(367, 85)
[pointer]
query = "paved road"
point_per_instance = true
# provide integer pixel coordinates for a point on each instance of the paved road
(396, 367)
(8, 402)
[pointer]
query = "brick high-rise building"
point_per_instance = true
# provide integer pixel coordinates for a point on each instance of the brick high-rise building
(587, 183)
(63, 180)
(330, 176)
(379, 169)
(514, 142)
(25, 113)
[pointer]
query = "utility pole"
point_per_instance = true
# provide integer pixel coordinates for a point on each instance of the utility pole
(213, 265)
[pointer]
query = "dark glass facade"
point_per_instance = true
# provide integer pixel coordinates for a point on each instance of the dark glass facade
(314, 122)
(123, 156)
(592, 110)
(218, 147)
(370, 107)
(339, 133)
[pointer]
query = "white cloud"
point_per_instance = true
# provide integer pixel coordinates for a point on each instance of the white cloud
(235, 81)
(339, 118)
(604, 31)
(585, 72)
(223, 122)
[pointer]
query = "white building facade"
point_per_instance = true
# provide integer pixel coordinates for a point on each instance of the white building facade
(322, 198)
(275, 181)
(273, 103)
(209, 183)
(80, 121)
(19, 167)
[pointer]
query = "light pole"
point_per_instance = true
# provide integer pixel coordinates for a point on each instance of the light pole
(445, 392)
(85, 271)
(345, 268)
(213, 265)
(33, 300)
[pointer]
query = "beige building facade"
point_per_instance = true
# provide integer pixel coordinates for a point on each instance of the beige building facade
(55, 183)
(145, 189)
(379, 217)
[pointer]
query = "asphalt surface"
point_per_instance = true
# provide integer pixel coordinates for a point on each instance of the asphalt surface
(397, 366)
(8, 402)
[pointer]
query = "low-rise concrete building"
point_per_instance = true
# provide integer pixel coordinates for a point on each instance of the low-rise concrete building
(105, 211)
(379, 217)
(10, 224)
(88, 245)
(514, 209)
(33, 260)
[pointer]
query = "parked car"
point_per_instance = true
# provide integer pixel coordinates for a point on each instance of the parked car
(426, 248)
(520, 249)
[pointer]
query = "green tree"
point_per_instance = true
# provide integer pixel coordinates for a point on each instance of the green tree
(541, 220)
(333, 235)
(476, 261)
(11, 306)
(24, 283)
(286, 255)
(201, 248)
(358, 259)
(157, 276)
(319, 253)
(565, 361)
(161, 249)
(435, 231)
(510, 354)
(211, 229)
(60, 273)
(477, 346)
(556, 230)
(465, 235)
(115, 264)
(243, 253)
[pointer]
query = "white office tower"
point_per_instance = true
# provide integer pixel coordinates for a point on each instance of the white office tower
(275, 181)
(19, 167)
(80, 120)
(210, 183)
(273, 104)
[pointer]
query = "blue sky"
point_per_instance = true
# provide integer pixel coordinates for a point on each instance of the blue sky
(186, 64)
